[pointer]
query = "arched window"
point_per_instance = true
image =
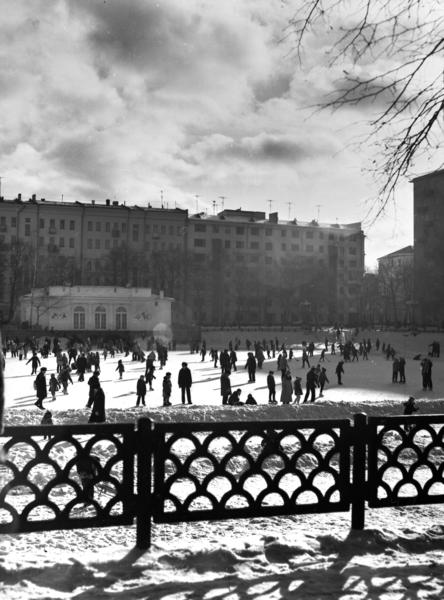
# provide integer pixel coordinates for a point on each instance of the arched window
(100, 317)
(79, 317)
(121, 318)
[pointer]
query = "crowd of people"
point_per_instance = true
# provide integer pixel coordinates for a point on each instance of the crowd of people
(79, 358)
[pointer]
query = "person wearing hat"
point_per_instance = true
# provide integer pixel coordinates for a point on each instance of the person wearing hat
(40, 388)
(185, 381)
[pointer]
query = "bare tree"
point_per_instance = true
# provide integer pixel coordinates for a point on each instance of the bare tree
(393, 51)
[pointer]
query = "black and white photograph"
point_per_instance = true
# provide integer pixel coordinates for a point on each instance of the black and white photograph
(221, 299)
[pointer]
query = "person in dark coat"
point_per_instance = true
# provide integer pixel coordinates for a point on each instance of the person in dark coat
(234, 399)
(251, 366)
(98, 408)
(225, 386)
(40, 387)
(250, 400)
(339, 371)
(88, 468)
(426, 372)
(297, 390)
(47, 420)
(395, 370)
(401, 369)
(141, 391)
(233, 360)
(311, 384)
(94, 384)
(185, 381)
(271, 384)
(409, 408)
(167, 388)
(81, 364)
(35, 362)
(323, 379)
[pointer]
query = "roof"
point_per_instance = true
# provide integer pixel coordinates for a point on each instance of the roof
(430, 174)
(401, 252)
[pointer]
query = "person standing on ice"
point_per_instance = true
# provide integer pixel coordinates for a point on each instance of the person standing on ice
(426, 372)
(271, 385)
(251, 366)
(98, 408)
(311, 385)
(185, 381)
(120, 368)
(141, 391)
(40, 387)
(81, 364)
(323, 379)
(287, 389)
(167, 387)
(297, 390)
(339, 371)
(54, 386)
(225, 386)
(35, 362)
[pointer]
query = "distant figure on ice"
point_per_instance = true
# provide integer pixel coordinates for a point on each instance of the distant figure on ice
(141, 391)
(40, 387)
(185, 381)
(87, 469)
(287, 389)
(250, 400)
(297, 390)
(311, 385)
(271, 385)
(323, 379)
(167, 389)
(339, 371)
(426, 372)
(54, 386)
(35, 362)
(251, 366)
(120, 368)
(234, 399)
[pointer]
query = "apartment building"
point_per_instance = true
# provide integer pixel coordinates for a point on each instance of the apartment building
(252, 269)
(234, 267)
(395, 286)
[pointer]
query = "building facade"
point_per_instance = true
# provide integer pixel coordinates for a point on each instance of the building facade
(428, 207)
(97, 309)
(395, 286)
(235, 267)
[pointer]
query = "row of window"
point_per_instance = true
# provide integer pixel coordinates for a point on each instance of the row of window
(269, 231)
(100, 318)
(268, 246)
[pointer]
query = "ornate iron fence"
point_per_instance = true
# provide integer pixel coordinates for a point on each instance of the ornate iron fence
(104, 475)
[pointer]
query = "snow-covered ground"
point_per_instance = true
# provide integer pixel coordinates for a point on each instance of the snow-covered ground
(399, 555)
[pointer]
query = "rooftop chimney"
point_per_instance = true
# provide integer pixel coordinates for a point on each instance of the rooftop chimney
(273, 217)
(34, 197)
(107, 201)
(115, 203)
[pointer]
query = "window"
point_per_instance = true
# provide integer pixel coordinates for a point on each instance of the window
(215, 228)
(309, 235)
(79, 317)
(200, 227)
(295, 233)
(283, 246)
(100, 317)
(72, 225)
(254, 245)
(295, 247)
(171, 229)
(268, 246)
(163, 229)
(89, 243)
(97, 244)
(227, 229)
(240, 244)
(41, 223)
(321, 249)
(353, 264)
(62, 223)
(240, 230)
(268, 260)
(155, 228)
(123, 226)
(253, 258)
(90, 225)
(352, 250)
(71, 242)
(13, 221)
(227, 244)
(199, 243)
(98, 226)
(254, 231)
(106, 244)
(121, 318)
(147, 228)
(27, 228)
(321, 235)
(62, 242)
(135, 233)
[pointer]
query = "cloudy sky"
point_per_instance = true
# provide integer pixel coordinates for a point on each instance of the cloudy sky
(107, 98)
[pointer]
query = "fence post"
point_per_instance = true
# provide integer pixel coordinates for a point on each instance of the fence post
(143, 504)
(359, 470)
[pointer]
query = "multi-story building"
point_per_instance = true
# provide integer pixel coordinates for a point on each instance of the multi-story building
(428, 207)
(395, 286)
(231, 268)
(250, 269)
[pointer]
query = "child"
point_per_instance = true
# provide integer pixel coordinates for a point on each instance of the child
(54, 386)
(47, 420)
(297, 390)
(250, 400)
(120, 368)
(409, 408)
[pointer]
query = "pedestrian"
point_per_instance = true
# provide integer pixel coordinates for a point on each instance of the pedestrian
(47, 420)
(401, 369)
(185, 381)
(323, 379)
(287, 389)
(233, 360)
(54, 386)
(167, 389)
(271, 384)
(409, 408)
(339, 371)
(310, 385)
(98, 408)
(297, 390)
(305, 360)
(65, 377)
(149, 376)
(251, 366)
(120, 367)
(426, 372)
(40, 387)
(395, 370)
(93, 383)
(225, 386)
(141, 391)
(81, 364)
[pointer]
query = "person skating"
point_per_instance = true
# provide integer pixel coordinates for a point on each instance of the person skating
(54, 386)
(251, 366)
(120, 367)
(141, 391)
(225, 386)
(297, 390)
(311, 384)
(149, 376)
(185, 381)
(323, 379)
(339, 371)
(81, 364)
(271, 385)
(395, 370)
(98, 408)
(35, 362)
(167, 387)
(40, 387)
(65, 378)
